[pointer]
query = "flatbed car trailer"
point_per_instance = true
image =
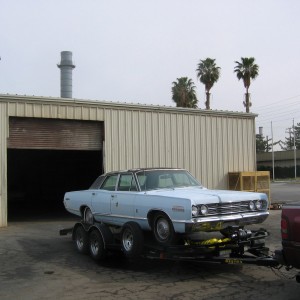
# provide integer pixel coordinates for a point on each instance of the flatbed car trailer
(239, 246)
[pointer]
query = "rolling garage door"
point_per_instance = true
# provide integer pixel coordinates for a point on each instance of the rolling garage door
(35, 133)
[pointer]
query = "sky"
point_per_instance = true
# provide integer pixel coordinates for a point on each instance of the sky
(131, 51)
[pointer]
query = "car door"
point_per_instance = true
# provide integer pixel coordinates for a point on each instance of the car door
(122, 200)
(101, 198)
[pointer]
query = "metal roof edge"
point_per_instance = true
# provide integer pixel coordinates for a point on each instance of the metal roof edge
(136, 106)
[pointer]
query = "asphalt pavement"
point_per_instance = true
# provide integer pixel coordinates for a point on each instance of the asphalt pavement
(285, 192)
(37, 263)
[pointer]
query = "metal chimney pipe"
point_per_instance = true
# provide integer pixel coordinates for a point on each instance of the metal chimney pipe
(66, 67)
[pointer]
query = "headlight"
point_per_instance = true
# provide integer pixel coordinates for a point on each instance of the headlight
(258, 204)
(195, 211)
(204, 210)
(251, 205)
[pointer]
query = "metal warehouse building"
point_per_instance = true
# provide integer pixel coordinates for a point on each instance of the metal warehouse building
(52, 145)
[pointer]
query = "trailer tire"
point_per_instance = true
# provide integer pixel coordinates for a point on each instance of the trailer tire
(132, 240)
(163, 229)
(97, 245)
(81, 240)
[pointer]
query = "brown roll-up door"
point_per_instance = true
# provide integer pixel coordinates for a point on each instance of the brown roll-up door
(34, 133)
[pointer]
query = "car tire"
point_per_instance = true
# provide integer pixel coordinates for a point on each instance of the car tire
(132, 240)
(96, 245)
(88, 217)
(81, 240)
(163, 229)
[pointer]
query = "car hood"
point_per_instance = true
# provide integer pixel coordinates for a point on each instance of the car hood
(202, 196)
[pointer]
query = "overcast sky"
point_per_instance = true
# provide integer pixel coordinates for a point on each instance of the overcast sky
(132, 51)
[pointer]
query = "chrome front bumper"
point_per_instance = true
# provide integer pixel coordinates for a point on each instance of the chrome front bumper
(216, 223)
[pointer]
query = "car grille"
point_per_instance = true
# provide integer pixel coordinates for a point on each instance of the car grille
(229, 208)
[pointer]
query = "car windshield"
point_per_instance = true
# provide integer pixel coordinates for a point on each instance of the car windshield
(161, 179)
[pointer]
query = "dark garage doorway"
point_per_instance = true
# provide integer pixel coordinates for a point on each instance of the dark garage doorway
(45, 159)
(38, 179)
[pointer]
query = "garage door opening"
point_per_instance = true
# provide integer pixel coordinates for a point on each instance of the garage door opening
(38, 179)
(45, 159)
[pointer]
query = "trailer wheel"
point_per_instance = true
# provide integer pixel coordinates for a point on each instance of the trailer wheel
(163, 229)
(81, 240)
(132, 239)
(298, 278)
(97, 246)
(88, 216)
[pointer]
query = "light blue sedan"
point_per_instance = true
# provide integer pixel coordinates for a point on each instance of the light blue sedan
(167, 202)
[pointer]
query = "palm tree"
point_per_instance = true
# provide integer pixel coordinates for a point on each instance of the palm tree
(208, 73)
(183, 93)
(246, 70)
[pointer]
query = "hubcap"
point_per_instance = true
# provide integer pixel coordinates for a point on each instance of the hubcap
(162, 229)
(79, 241)
(94, 247)
(127, 240)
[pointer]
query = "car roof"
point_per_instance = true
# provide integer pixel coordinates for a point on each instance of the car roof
(138, 170)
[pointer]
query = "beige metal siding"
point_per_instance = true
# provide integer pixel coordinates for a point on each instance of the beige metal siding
(208, 146)
(3, 165)
(37, 133)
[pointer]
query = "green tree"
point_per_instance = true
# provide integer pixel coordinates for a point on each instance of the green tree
(289, 141)
(246, 70)
(263, 144)
(183, 93)
(208, 73)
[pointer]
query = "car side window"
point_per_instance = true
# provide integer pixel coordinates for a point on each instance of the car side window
(109, 183)
(127, 183)
(97, 183)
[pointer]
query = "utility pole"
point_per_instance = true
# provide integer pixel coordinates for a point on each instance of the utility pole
(295, 153)
(273, 152)
(289, 131)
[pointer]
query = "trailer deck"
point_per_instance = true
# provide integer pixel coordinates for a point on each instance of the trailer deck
(240, 246)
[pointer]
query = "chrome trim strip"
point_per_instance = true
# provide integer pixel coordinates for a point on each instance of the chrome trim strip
(235, 217)
(120, 216)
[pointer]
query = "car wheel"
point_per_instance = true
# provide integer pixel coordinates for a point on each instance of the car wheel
(132, 239)
(163, 229)
(88, 216)
(81, 240)
(97, 247)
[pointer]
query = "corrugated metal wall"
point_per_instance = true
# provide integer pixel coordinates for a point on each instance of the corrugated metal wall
(208, 146)
(37, 133)
(3, 165)
(207, 143)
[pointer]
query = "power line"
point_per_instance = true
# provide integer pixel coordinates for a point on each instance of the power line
(280, 101)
